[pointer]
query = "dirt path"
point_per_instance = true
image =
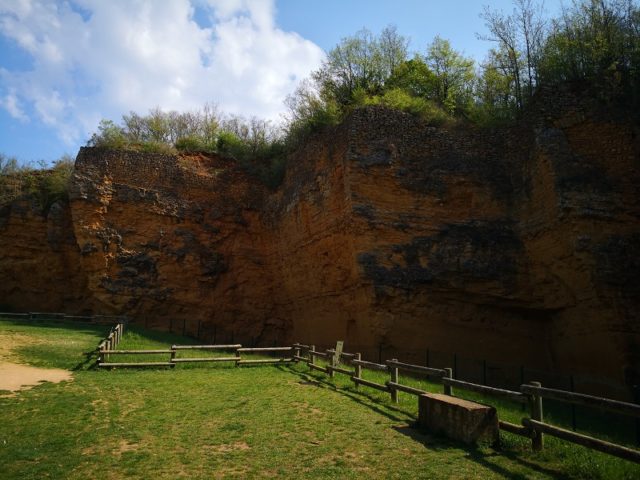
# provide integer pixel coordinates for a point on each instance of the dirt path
(14, 376)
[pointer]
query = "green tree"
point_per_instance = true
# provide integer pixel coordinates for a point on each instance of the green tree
(454, 75)
(108, 135)
(494, 92)
(361, 62)
(597, 41)
(415, 77)
(354, 63)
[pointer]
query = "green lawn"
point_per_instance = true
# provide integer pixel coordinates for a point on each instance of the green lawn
(217, 421)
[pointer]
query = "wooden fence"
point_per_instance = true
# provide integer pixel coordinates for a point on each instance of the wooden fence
(105, 354)
(94, 319)
(111, 341)
(531, 394)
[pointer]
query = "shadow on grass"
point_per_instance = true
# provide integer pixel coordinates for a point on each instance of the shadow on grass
(479, 455)
(89, 358)
(362, 398)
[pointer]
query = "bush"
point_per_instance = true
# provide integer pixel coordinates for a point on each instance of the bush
(109, 135)
(400, 99)
(45, 186)
(190, 144)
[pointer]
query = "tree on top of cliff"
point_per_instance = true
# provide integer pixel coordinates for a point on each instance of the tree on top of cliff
(594, 43)
(45, 186)
(362, 61)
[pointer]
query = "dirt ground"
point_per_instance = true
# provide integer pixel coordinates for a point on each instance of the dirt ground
(15, 376)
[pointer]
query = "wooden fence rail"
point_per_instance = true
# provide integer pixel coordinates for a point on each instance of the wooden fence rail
(607, 404)
(531, 394)
(95, 319)
(107, 349)
(206, 347)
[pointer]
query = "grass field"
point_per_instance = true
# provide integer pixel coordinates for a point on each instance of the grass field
(217, 421)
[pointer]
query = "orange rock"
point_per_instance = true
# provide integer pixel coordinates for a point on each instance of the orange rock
(518, 246)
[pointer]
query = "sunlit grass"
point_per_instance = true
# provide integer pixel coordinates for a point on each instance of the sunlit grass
(227, 422)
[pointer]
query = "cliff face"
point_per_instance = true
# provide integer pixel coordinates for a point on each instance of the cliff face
(518, 246)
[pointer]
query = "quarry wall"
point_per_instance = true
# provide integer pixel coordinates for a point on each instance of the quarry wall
(518, 245)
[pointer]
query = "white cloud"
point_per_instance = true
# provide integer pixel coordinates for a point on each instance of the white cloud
(96, 58)
(11, 104)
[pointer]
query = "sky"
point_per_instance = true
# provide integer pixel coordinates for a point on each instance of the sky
(67, 64)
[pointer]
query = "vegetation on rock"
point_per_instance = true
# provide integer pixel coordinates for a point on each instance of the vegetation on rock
(593, 44)
(45, 186)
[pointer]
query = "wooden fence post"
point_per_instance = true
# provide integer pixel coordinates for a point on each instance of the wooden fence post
(394, 379)
(332, 363)
(237, 358)
(448, 373)
(173, 353)
(358, 370)
(296, 353)
(537, 442)
(312, 348)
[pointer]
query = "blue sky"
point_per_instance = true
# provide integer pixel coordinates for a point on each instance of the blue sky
(65, 65)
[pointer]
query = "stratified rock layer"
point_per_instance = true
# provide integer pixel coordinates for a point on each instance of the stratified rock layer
(519, 246)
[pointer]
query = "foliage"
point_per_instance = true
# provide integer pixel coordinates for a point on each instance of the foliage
(8, 165)
(414, 77)
(109, 135)
(309, 111)
(257, 145)
(190, 144)
(51, 186)
(453, 75)
(597, 42)
(400, 99)
(594, 42)
(45, 186)
(520, 38)
(362, 61)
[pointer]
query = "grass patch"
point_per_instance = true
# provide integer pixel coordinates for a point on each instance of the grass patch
(51, 344)
(220, 422)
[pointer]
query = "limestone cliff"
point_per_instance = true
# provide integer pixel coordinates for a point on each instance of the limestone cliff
(519, 245)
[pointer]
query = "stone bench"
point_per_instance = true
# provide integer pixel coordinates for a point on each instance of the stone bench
(458, 419)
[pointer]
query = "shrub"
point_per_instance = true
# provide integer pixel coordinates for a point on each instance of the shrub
(109, 135)
(190, 144)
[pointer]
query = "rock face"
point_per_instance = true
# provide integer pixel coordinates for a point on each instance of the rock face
(517, 246)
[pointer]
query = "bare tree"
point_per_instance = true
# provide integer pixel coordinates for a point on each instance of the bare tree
(532, 27)
(520, 37)
(393, 49)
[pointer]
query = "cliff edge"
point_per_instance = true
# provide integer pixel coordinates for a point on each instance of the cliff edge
(519, 245)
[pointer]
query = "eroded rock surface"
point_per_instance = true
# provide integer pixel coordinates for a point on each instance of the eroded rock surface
(518, 246)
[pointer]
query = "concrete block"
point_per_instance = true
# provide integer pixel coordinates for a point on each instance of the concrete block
(459, 419)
